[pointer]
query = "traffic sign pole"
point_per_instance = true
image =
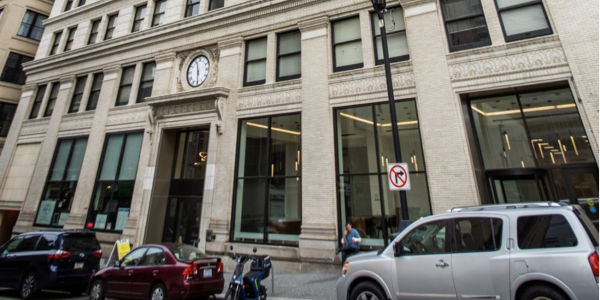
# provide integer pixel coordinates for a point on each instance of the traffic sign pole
(379, 7)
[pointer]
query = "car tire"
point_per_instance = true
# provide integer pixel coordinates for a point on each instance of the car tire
(159, 292)
(97, 290)
(28, 286)
(542, 292)
(367, 290)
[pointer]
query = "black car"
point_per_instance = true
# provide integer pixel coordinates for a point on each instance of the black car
(53, 260)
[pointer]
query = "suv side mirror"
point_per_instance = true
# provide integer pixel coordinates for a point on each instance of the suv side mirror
(400, 249)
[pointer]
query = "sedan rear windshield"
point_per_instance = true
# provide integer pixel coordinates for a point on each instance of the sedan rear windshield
(185, 253)
(75, 242)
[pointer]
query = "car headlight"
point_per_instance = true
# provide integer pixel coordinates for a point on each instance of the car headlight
(345, 270)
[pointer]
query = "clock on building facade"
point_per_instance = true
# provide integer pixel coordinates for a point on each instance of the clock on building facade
(197, 71)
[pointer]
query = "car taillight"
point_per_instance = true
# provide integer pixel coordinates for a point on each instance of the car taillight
(220, 267)
(59, 254)
(594, 264)
(190, 271)
(97, 253)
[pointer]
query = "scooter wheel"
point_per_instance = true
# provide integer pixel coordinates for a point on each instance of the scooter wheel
(263, 292)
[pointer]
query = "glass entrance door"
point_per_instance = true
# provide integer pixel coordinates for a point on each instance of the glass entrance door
(518, 187)
(582, 188)
(182, 224)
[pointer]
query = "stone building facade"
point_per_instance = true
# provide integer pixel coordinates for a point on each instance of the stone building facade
(265, 123)
(21, 28)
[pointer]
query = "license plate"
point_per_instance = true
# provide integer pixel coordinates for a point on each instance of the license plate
(78, 265)
(207, 273)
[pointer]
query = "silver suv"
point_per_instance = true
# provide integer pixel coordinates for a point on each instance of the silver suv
(517, 251)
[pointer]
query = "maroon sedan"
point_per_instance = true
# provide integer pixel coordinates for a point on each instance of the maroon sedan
(159, 272)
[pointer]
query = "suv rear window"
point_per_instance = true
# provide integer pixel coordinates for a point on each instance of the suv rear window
(545, 231)
(79, 242)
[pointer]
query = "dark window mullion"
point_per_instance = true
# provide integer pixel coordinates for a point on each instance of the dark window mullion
(268, 182)
(471, 16)
(346, 42)
(185, 153)
(123, 146)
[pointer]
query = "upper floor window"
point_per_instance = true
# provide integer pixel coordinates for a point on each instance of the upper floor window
(396, 36)
(256, 62)
(7, 112)
(13, 68)
(215, 4)
(192, 8)
(140, 16)
(95, 92)
(465, 24)
(347, 45)
(37, 102)
(522, 19)
(70, 39)
(81, 3)
(94, 32)
(32, 25)
(69, 5)
(289, 64)
(1, 12)
(159, 13)
(52, 99)
(125, 86)
(147, 81)
(77, 94)
(56, 43)
(110, 27)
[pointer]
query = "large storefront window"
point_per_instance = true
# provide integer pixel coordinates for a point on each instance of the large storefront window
(267, 206)
(59, 190)
(111, 202)
(364, 148)
(534, 148)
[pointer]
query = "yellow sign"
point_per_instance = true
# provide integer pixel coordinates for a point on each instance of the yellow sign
(591, 202)
(123, 248)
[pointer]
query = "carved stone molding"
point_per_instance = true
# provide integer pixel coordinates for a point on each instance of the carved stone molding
(185, 57)
(270, 98)
(34, 127)
(185, 108)
(219, 103)
(515, 63)
(79, 122)
(369, 85)
(127, 117)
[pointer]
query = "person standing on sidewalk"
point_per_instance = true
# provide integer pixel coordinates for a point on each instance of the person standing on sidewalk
(351, 242)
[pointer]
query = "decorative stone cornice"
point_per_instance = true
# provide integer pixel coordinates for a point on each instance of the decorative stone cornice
(188, 97)
(541, 41)
(412, 3)
(231, 43)
(67, 79)
(169, 56)
(29, 87)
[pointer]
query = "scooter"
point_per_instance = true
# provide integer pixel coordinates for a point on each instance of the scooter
(249, 287)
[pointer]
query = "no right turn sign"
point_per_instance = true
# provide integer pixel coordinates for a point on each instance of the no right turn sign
(398, 177)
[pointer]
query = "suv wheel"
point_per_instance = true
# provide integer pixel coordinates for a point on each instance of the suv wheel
(542, 292)
(367, 291)
(28, 286)
(97, 290)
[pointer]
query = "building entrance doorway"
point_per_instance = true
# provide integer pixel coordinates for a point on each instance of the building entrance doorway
(516, 186)
(184, 207)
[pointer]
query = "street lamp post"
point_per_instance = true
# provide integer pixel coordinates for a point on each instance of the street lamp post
(379, 6)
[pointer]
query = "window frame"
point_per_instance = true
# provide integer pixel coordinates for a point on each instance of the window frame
(56, 43)
(267, 177)
(246, 62)
(93, 91)
(36, 15)
(138, 98)
(70, 39)
(471, 16)
(94, 34)
(211, 4)
(81, 3)
(279, 56)
(189, 8)
(121, 85)
(373, 16)
(68, 5)
(38, 103)
(79, 80)
(156, 14)
(334, 45)
(110, 29)
(2, 107)
(18, 68)
(63, 180)
(141, 20)
(97, 180)
(524, 35)
(55, 85)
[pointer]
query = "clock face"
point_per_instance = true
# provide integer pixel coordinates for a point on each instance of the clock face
(198, 71)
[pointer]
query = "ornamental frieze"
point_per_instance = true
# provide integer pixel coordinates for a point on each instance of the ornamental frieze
(370, 85)
(270, 99)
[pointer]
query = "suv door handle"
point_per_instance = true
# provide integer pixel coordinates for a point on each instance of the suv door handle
(441, 264)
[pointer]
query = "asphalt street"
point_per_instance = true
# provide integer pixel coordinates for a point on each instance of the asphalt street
(286, 286)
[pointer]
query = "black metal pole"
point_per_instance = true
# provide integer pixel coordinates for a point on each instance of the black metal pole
(380, 8)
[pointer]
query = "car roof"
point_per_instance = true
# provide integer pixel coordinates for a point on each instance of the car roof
(513, 208)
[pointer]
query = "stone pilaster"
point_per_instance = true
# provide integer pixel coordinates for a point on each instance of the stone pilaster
(93, 153)
(318, 237)
(230, 61)
(449, 169)
(165, 72)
